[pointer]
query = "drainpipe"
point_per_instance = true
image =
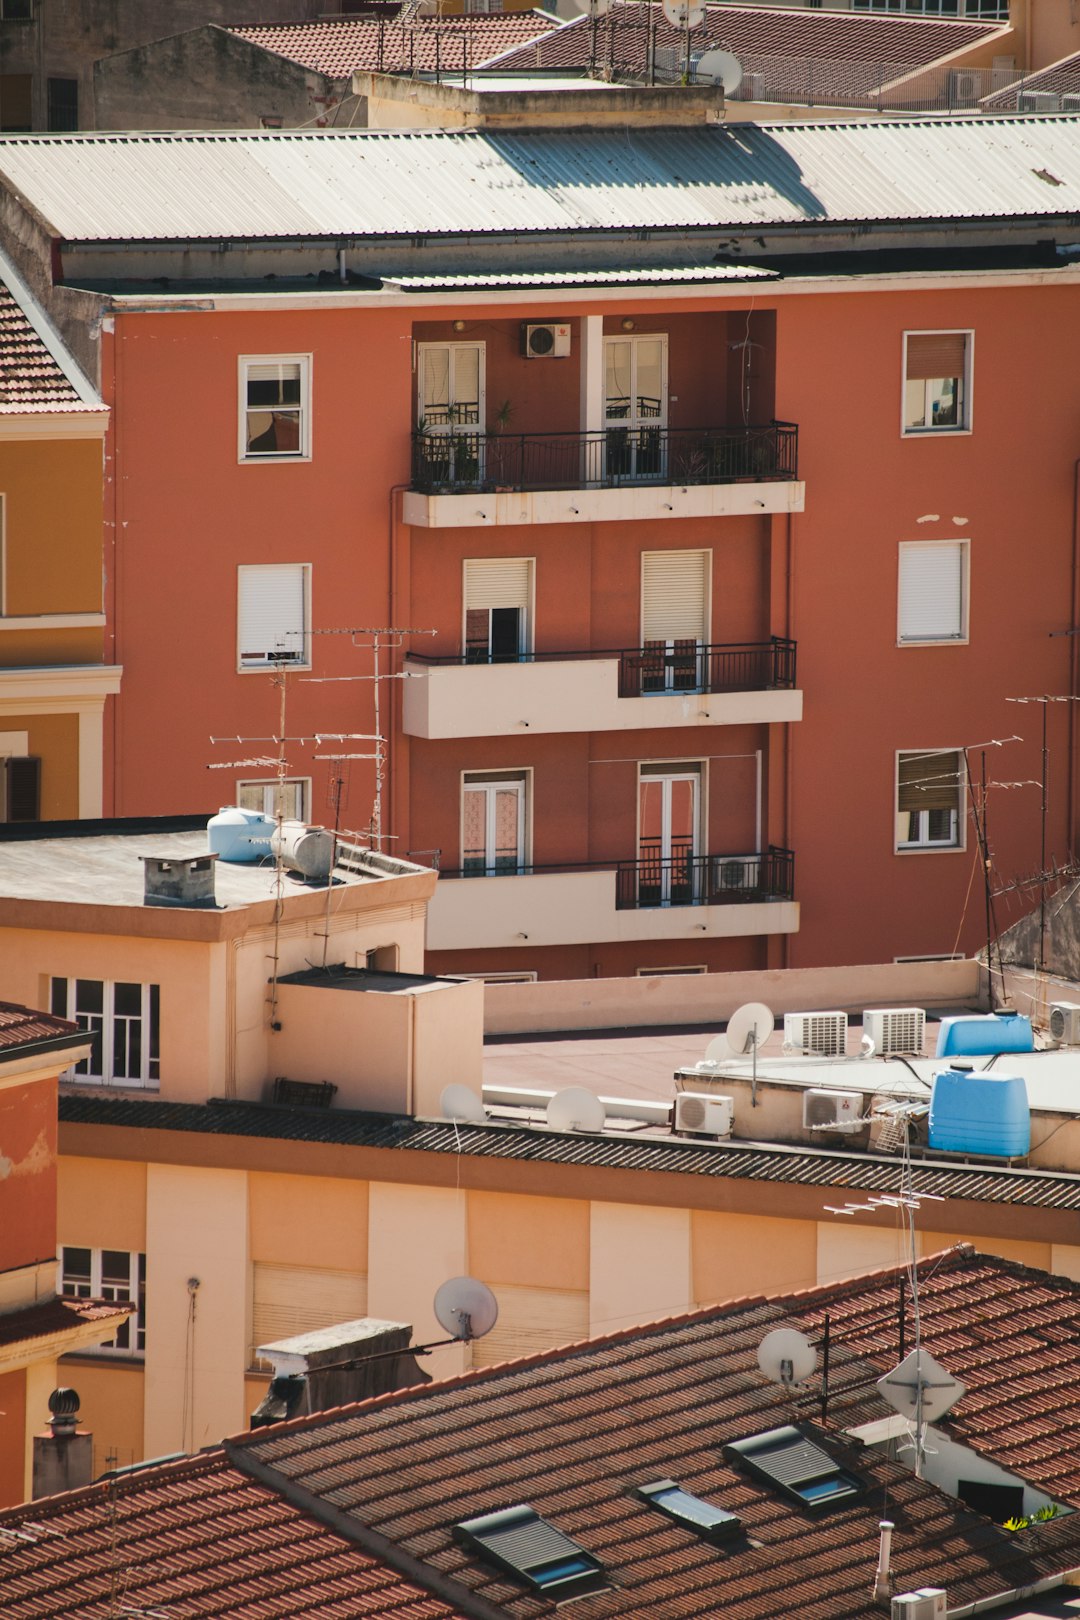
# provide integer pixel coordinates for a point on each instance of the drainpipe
(789, 763)
(1074, 661)
(394, 706)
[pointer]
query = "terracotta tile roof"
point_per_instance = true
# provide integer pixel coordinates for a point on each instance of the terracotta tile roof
(198, 1538)
(835, 36)
(1061, 78)
(784, 1166)
(24, 1026)
(30, 379)
(340, 48)
(52, 1316)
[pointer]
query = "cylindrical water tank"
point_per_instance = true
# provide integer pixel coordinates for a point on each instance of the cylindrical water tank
(240, 835)
(981, 1034)
(984, 1113)
(307, 850)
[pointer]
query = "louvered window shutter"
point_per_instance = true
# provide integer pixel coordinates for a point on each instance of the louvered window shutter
(272, 614)
(929, 782)
(498, 582)
(530, 1320)
(674, 589)
(300, 1299)
(935, 354)
(931, 592)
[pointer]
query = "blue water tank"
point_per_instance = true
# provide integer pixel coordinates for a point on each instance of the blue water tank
(981, 1034)
(240, 835)
(984, 1113)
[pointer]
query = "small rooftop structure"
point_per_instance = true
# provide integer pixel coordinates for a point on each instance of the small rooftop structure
(499, 102)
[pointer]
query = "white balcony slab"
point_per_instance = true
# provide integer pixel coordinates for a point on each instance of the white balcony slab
(578, 908)
(629, 503)
(564, 695)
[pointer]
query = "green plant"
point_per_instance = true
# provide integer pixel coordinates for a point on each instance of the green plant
(1050, 1511)
(502, 418)
(1016, 1524)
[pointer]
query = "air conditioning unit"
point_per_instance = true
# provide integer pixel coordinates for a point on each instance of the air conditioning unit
(928, 1603)
(549, 342)
(667, 62)
(737, 874)
(895, 1029)
(818, 1034)
(832, 1110)
(1064, 1025)
(753, 87)
(704, 1116)
(1070, 103)
(1038, 101)
(965, 87)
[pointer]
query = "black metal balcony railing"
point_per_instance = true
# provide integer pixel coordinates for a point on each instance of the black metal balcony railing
(684, 880)
(459, 459)
(738, 666)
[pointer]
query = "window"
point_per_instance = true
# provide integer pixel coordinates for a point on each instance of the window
(532, 1320)
(124, 1021)
(383, 959)
(929, 791)
(20, 787)
(669, 972)
(272, 614)
(789, 1461)
(16, 102)
(525, 976)
(275, 408)
(113, 1275)
(932, 592)
(669, 799)
(63, 104)
(287, 1300)
(674, 619)
(288, 799)
(713, 1523)
(16, 10)
(493, 823)
(635, 406)
(519, 1541)
(937, 381)
(498, 595)
(450, 410)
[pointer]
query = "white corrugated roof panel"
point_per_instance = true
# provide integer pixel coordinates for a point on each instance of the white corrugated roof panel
(233, 186)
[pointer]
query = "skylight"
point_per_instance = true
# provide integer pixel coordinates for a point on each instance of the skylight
(713, 1523)
(519, 1541)
(791, 1463)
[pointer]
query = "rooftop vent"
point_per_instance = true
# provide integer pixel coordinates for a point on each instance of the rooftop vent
(714, 1524)
(178, 880)
(793, 1464)
(817, 1034)
(928, 1603)
(895, 1030)
(519, 1541)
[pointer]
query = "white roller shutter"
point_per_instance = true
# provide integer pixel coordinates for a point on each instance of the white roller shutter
(498, 582)
(531, 1320)
(299, 1299)
(932, 591)
(674, 595)
(271, 613)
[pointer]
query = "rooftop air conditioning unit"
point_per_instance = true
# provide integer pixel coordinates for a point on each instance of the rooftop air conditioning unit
(548, 342)
(704, 1116)
(895, 1030)
(1064, 1026)
(832, 1110)
(667, 62)
(964, 87)
(820, 1034)
(1038, 101)
(753, 87)
(928, 1603)
(735, 873)
(1070, 103)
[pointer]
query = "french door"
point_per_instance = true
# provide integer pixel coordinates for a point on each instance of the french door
(493, 826)
(669, 817)
(450, 409)
(635, 406)
(674, 620)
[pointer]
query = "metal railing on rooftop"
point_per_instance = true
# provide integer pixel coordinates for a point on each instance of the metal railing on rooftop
(681, 666)
(683, 879)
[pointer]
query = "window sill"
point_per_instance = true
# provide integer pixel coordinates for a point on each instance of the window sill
(267, 669)
(114, 1088)
(936, 641)
(936, 433)
(271, 461)
(929, 849)
(104, 1358)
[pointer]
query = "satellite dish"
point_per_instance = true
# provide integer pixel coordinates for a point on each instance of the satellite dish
(749, 1027)
(786, 1356)
(920, 1375)
(720, 67)
(576, 1109)
(466, 1308)
(461, 1102)
(685, 14)
(717, 1049)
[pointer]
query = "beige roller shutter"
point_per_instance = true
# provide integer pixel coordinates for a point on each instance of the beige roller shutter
(530, 1320)
(674, 595)
(272, 613)
(299, 1299)
(935, 354)
(929, 781)
(498, 582)
(932, 591)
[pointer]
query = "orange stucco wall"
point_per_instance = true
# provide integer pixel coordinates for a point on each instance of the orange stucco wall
(27, 1173)
(52, 526)
(12, 1437)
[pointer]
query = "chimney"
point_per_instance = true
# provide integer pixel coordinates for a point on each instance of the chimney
(63, 1458)
(176, 880)
(334, 1366)
(883, 1576)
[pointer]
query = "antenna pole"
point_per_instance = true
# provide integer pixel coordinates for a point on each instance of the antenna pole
(1042, 861)
(753, 1067)
(825, 1368)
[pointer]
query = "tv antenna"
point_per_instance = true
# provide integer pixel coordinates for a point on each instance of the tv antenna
(596, 10)
(576, 1109)
(684, 16)
(749, 1027)
(466, 1308)
(460, 1102)
(787, 1357)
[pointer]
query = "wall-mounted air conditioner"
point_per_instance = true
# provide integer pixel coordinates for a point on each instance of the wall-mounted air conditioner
(548, 342)
(895, 1030)
(832, 1110)
(817, 1034)
(732, 872)
(704, 1116)
(1064, 1025)
(965, 87)
(928, 1603)
(1038, 101)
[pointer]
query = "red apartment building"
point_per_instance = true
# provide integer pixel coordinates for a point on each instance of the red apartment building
(723, 479)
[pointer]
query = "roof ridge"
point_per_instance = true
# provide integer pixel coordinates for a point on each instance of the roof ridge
(121, 1482)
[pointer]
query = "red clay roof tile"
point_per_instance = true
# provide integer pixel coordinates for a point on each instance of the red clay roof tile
(22, 1026)
(338, 48)
(30, 379)
(51, 1316)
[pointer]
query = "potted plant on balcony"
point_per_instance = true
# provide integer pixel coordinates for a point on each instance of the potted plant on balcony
(499, 454)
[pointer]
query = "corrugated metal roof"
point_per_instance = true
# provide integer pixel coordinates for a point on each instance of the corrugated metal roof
(280, 184)
(583, 278)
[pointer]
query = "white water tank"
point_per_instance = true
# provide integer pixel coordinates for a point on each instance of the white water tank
(240, 835)
(304, 849)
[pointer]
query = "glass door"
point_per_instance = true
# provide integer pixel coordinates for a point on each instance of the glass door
(635, 407)
(493, 827)
(668, 821)
(450, 410)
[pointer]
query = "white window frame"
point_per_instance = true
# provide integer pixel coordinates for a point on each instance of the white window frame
(269, 786)
(525, 629)
(134, 1291)
(519, 777)
(938, 846)
(967, 397)
(146, 1079)
(259, 666)
(963, 638)
(244, 363)
(668, 972)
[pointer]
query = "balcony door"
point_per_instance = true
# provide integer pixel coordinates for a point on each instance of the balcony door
(450, 410)
(674, 620)
(669, 820)
(498, 609)
(635, 407)
(493, 824)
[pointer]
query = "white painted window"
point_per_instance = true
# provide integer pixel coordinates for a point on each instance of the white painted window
(287, 1300)
(674, 619)
(498, 596)
(272, 618)
(450, 383)
(937, 381)
(493, 823)
(929, 799)
(290, 799)
(124, 1020)
(114, 1275)
(933, 591)
(636, 406)
(669, 830)
(275, 407)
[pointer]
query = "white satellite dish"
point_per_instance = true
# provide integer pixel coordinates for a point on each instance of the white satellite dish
(720, 67)
(461, 1102)
(749, 1027)
(920, 1388)
(466, 1308)
(717, 1050)
(576, 1109)
(685, 14)
(787, 1356)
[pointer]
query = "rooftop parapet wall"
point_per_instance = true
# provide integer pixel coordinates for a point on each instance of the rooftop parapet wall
(400, 103)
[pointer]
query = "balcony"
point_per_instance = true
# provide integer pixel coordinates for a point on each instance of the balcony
(718, 896)
(629, 689)
(463, 477)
